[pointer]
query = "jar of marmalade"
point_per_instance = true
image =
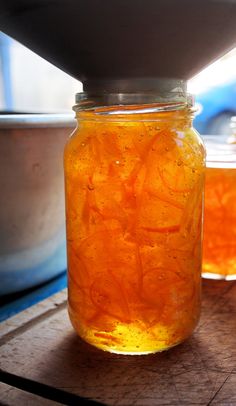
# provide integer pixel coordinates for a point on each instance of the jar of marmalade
(232, 138)
(219, 244)
(134, 172)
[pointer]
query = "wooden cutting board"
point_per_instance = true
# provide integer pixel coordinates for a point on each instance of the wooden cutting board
(39, 347)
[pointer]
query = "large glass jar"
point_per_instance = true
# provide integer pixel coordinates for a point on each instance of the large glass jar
(134, 172)
(219, 243)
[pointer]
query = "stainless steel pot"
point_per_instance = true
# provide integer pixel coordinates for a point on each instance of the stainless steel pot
(32, 220)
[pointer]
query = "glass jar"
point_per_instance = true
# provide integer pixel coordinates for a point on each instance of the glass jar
(232, 138)
(134, 172)
(219, 244)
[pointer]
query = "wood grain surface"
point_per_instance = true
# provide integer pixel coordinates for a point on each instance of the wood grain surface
(202, 371)
(12, 397)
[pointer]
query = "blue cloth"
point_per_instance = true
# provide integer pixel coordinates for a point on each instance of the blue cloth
(34, 296)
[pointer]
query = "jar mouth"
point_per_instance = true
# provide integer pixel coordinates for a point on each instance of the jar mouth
(233, 124)
(133, 103)
(219, 154)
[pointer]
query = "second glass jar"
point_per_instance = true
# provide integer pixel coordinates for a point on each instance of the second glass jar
(219, 243)
(134, 182)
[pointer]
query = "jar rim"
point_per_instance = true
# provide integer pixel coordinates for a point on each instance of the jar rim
(219, 153)
(233, 122)
(142, 103)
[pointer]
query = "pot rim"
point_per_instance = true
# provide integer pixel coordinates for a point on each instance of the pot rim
(32, 120)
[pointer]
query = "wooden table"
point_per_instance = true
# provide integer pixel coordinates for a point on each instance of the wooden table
(39, 348)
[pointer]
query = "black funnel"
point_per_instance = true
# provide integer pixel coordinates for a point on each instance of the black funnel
(99, 41)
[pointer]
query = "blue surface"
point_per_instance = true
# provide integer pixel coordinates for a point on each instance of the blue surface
(214, 102)
(34, 296)
(5, 66)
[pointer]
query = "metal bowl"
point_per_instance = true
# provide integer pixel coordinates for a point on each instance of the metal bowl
(32, 218)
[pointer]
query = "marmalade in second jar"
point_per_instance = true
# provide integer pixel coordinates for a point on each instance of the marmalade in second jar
(134, 182)
(219, 247)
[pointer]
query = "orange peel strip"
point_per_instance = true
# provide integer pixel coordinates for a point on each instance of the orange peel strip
(170, 229)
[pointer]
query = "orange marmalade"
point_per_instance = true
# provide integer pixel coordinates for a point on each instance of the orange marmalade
(134, 181)
(219, 248)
